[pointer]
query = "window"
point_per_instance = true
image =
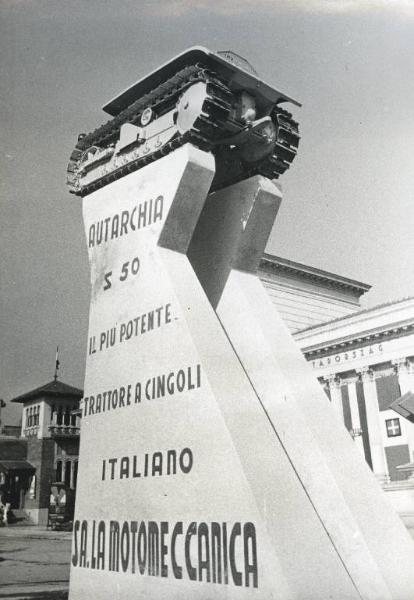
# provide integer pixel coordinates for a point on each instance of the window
(32, 416)
(75, 473)
(59, 470)
(393, 427)
(68, 467)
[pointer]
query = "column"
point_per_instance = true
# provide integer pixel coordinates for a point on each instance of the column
(25, 421)
(379, 463)
(72, 474)
(405, 371)
(334, 384)
(40, 417)
(53, 419)
(356, 423)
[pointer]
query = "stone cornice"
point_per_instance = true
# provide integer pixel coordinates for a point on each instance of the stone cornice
(291, 287)
(279, 265)
(359, 340)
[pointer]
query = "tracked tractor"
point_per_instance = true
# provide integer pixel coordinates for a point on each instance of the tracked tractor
(215, 101)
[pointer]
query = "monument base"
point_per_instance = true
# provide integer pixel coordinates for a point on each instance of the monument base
(204, 472)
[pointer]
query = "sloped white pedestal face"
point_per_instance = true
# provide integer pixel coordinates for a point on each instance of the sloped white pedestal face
(186, 488)
(162, 495)
(374, 546)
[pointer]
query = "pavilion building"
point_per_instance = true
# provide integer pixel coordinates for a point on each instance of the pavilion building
(47, 451)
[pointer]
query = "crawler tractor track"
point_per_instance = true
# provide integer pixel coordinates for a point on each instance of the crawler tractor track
(211, 132)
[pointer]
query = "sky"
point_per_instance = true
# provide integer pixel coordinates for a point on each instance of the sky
(348, 198)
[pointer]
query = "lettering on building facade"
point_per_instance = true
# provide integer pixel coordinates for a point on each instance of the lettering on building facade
(344, 357)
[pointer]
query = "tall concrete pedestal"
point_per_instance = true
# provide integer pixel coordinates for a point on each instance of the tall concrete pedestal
(211, 464)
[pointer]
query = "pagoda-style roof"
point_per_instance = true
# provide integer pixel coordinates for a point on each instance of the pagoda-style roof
(55, 389)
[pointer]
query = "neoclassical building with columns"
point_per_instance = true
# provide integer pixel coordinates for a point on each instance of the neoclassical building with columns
(366, 363)
(364, 359)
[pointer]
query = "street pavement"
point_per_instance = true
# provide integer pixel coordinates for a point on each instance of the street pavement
(34, 563)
